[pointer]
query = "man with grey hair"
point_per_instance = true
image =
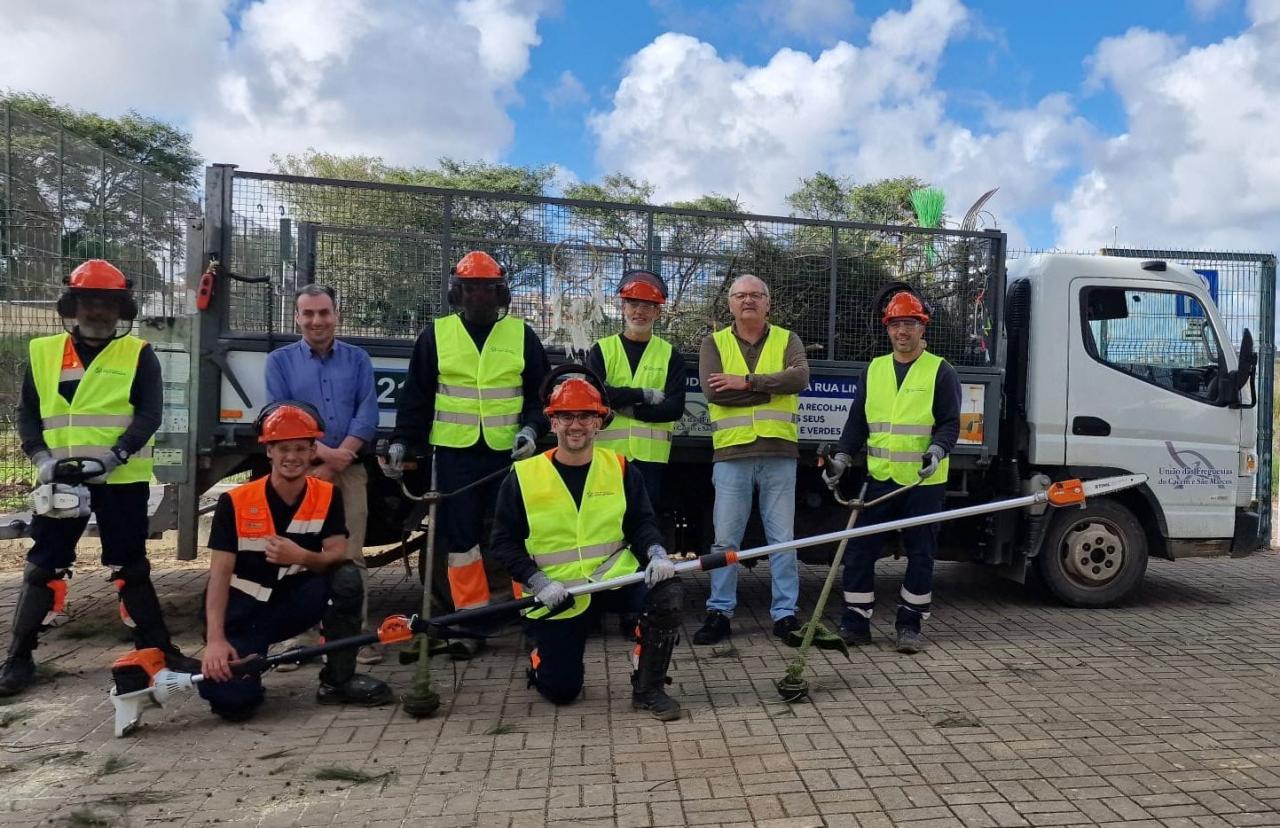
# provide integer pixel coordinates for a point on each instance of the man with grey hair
(337, 379)
(752, 374)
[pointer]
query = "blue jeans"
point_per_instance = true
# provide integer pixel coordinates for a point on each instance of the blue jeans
(774, 478)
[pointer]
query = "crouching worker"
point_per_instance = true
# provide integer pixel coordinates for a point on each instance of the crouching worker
(574, 515)
(278, 566)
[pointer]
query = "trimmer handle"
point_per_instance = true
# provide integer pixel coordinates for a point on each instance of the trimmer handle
(77, 470)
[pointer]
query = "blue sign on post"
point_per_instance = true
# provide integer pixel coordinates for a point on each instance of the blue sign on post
(1187, 306)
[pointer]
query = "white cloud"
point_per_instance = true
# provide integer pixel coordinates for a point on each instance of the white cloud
(1198, 165)
(1205, 9)
(568, 91)
(410, 80)
(820, 20)
(867, 112)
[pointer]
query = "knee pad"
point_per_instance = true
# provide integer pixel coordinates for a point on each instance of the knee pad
(662, 605)
(561, 692)
(51, 586)
(346, 586)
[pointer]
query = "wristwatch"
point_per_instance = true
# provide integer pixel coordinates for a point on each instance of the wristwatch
(750, 379)
(121, 454)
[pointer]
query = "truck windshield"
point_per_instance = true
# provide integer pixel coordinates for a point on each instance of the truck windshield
(1162, 337)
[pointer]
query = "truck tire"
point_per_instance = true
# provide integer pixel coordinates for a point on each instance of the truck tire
(1095, 556)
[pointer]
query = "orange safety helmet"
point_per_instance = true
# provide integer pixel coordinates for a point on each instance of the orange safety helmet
(97, 274)
(289, 421)
(904, 304)
(576, 394)
(478, 265)
(643, 286)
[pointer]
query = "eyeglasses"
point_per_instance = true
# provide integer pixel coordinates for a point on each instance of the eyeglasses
(902, 323)
(757, 295)
(479, 287)
(571, 417)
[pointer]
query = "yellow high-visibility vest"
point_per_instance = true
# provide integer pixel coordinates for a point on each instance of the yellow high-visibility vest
(570, 544)
(900, 420)
(636, 439)
(478, 392)
(100, 412)
(737, 425)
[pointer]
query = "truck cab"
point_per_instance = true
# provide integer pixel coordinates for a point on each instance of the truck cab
(1122, 365)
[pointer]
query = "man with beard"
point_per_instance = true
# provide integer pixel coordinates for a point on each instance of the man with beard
(91, 392)
(575, 514)
(906, 411)
(471, 393)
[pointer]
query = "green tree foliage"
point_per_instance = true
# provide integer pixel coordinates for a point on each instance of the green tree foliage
(83, 185)
(133, 137)
(828, 198)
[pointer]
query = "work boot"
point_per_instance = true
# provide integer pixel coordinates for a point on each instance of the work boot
(465, 649)
(648, 682)
(360, 689)
(785, 625)
(909, 641)
(714, 629)
(17, 674)
(855, 636)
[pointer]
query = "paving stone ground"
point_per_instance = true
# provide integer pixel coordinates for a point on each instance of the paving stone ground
(1021, 713)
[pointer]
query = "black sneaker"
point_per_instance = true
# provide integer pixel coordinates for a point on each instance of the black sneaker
(909, 641)
(855, 636)
(785, 625)
(17, 674)
(359, 689)
(714, 629)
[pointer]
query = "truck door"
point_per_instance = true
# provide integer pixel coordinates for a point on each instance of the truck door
(1144, 363)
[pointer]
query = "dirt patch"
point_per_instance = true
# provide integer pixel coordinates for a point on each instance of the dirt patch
(162, 553)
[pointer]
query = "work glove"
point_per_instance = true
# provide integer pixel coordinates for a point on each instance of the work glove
(660, 567)
(526, 444)
(45, 464)
(551, 594)
(393, 465)
(653, 396)
(835, 467)
(930, 459)
(109, 463)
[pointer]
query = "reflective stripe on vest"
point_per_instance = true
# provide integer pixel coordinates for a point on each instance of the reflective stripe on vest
(736, 425)
(637, 439)
(100, 412)
(570, 544)
(254, 525)
(478, 392)
(900, 419)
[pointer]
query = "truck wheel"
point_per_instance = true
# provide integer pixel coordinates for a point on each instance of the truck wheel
(1095, 556)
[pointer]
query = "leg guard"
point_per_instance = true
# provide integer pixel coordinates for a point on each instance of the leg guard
(342, 620)
(659, 632)
(140, 610)
(43, 598)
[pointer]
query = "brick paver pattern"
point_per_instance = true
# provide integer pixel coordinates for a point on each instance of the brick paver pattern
(1021, 712)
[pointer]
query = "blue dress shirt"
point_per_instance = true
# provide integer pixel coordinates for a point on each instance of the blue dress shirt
(339, 384)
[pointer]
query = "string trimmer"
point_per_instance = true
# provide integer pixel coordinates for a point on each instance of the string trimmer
(793, 686)
(141, 677)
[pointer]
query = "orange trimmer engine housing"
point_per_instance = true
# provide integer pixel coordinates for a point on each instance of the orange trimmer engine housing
(135, 671)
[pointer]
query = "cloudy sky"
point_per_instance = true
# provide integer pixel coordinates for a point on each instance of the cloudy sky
(1151, 121)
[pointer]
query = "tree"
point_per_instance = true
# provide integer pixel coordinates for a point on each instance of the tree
(827, 198)
(133, 137)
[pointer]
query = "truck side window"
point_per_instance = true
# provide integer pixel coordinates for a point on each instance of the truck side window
(1161, 337)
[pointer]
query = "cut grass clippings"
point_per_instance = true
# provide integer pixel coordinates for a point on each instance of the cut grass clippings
(115, 764)
(86, 818)
(337, 773)
(501, 729)
(12, 717)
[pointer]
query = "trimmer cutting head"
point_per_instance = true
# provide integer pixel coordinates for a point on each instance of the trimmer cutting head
(140, 680)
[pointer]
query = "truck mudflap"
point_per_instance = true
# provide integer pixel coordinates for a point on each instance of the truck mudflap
(1247, 537)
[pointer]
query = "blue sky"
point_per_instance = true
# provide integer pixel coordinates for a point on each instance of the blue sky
(1149, 121)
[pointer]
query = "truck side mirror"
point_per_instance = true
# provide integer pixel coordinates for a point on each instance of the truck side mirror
(1244, 375)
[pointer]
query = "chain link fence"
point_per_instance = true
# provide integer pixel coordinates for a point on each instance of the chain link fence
(64, 200)
(387, 250)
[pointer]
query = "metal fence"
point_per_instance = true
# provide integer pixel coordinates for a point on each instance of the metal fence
(387, 250)
(64, 200)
